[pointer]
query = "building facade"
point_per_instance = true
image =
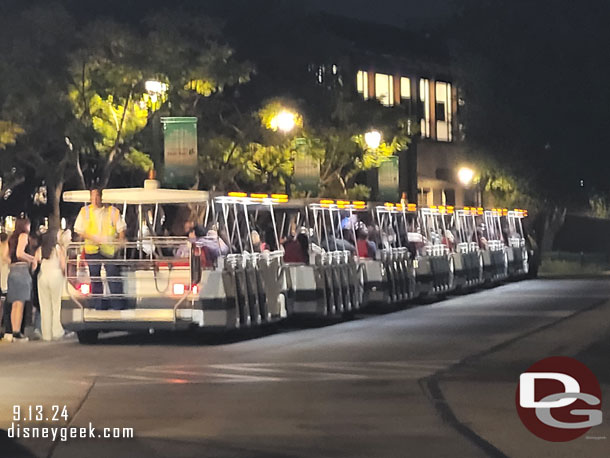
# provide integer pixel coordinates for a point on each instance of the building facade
(432, 98)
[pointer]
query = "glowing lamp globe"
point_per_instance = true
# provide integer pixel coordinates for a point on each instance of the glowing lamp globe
(372, 139)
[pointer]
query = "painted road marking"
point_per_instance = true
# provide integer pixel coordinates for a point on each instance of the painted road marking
(277, 372)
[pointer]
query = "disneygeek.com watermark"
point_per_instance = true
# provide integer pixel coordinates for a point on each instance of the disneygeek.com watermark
(40, 422)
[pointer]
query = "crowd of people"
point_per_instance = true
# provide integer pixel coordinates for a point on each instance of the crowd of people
(32, 266)
(33, 269)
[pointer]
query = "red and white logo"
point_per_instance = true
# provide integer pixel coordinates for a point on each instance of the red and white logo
(559, 399)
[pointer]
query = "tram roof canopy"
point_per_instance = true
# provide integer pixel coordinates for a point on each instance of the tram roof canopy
(149, 194)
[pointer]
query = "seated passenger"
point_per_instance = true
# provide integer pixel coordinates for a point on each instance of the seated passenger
(448, 239)
(338, 244)
(416, 243)
(214, 246)
(297, 250)
(257, 244)
(366, 248)
(184, 250)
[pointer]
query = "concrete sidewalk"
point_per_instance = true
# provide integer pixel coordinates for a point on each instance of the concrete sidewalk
(480, 392)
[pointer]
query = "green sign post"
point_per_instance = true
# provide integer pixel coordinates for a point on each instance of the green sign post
(180, 165)
(306, 170)
(388, 180)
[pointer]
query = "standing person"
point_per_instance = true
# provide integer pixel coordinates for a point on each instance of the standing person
(50, 285)
(19, 278)
(5, 261)
(101, 228)
(31, 313)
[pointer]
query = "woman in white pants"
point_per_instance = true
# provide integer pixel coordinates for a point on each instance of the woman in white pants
(50, 286)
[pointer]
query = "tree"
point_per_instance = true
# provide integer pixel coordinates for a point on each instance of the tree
(74, 97)
(34, 47)
(109, 87)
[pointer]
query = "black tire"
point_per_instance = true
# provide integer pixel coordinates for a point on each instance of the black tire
(87, 337)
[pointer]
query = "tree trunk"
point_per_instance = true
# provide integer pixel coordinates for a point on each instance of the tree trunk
(57, 188)
(541, 235)
(115, 154)
(553, 221)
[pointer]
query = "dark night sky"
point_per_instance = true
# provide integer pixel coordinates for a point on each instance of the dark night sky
(413, 13)
(397, 12)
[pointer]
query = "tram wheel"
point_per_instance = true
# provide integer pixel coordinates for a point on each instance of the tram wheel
(87, 337)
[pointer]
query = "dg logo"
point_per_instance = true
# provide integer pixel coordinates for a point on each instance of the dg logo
(559, 399)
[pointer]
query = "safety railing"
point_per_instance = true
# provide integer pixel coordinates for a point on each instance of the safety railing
(467, 247)
(87, 273)
(516, 242)
(436, 250)
(495, 245)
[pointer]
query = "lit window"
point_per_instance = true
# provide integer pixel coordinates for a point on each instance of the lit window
(424, 99)
(362, 83)
(443, 112)
(424, 197)
(405, 88)
(384, 89)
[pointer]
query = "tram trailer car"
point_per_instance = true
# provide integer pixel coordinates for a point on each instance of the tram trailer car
(166, 285)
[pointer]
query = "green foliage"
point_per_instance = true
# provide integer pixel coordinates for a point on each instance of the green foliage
(346, 154)
(359, 192)
(9, 132)
(599, 206)
(504, 189)
(109, 74)
(115, 122)
(139, 160)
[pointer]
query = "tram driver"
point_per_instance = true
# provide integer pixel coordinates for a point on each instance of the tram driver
(101, 227)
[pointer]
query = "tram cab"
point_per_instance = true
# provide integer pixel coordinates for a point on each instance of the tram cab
(518, 254)
(160, 278)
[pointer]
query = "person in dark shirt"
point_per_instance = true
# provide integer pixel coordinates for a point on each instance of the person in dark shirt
(297, 249)
(366, 248)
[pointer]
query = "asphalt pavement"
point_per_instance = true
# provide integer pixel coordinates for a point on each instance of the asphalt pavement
(431, 380)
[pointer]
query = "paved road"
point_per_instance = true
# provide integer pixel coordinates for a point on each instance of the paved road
(434, 380)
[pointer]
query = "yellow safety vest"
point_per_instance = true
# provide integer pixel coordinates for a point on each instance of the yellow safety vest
(107, 228)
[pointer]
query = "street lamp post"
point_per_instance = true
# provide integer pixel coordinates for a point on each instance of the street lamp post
(156, 91)
(466, 177)
(285, 121)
